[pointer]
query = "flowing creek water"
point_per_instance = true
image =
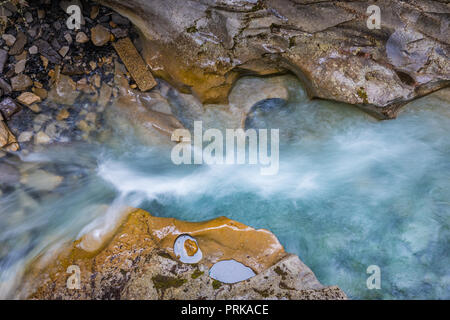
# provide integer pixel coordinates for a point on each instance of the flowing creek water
(351, 192)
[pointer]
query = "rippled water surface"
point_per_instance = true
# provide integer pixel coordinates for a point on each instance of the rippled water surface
(351, 192)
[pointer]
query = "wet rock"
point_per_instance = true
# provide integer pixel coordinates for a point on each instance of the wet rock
(41, 92)
(118, 19)
(68, 38)
(46, 50)
(20, 66)
(105, 95)
(73, 69)
(9, 39)
(9, 175)
(8, 107)
(41, 180)
(327, 44)
(94, 12)
(135, 65)
(5, 86)
(100, 35)
(41, 14)
(81, 37)
(21, 41)
(42, 138)
(21, 82)
(35, 108)
(28, 98)
(33, 50)
(62, 115)
(8, 141)
(55, 44)
(64, 91)
(143, 249)
(66, 3)
(63, 51)
(3, 59)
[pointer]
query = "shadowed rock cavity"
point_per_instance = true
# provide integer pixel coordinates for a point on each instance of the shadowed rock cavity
(203, 47)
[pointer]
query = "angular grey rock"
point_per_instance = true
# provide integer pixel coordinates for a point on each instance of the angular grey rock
(8, 107)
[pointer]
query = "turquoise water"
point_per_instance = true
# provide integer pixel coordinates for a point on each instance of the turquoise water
(350, 192)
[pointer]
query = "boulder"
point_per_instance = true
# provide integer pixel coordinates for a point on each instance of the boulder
(100, 35)
(63, 91)
(136, 260)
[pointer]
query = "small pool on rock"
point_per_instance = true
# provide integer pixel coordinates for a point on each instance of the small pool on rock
(351, 192)
(230, 271)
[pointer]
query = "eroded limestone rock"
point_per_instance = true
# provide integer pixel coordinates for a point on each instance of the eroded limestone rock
(137, 261)
(8, 141)
(204, 46)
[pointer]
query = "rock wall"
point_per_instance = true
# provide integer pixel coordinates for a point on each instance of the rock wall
(203, 46)
(138, 262)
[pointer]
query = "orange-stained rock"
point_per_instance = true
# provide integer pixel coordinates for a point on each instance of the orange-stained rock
(134, 63)
(136, 261)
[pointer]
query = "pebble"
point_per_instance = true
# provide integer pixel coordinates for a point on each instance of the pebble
(35, 108)
(9, 39)
(68, 38)
(42, 138)
(5, 86)
(20, 66)
(28, 98)
(3, 59)
(62, 115)
(83, 126)
(28, 17)
(100, 35)
(21, 41)
(63, 51)
(41, 92)
(33, 50)
(21, 82)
